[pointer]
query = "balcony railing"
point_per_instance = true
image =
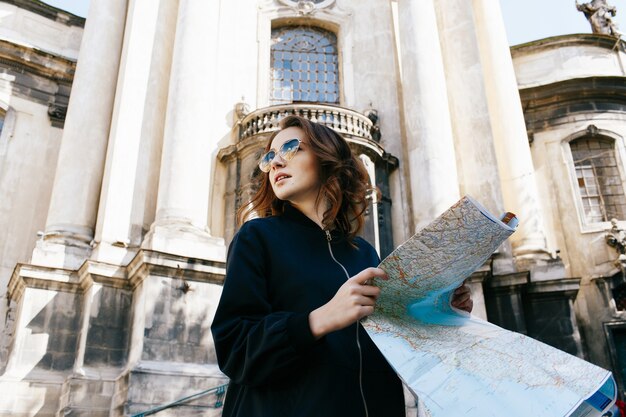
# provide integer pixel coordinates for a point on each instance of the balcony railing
(344, 121)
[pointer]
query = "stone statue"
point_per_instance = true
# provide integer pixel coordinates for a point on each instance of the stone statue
(616, 238)
(599, 14)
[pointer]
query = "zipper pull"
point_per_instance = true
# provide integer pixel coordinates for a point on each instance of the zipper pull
(328, 237)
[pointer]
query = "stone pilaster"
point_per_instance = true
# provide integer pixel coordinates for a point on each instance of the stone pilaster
(473, 139)
(187, 162)
(72, 213)
(515, 166)
(128, 197)
(431, 155)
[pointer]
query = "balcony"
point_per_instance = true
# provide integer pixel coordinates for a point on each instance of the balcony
(355, 127)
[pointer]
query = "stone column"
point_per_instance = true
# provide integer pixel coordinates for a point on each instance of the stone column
(475, 153)
(76, 190)
(515, 166)
(189, 142)
(136, 130)
(432, 164)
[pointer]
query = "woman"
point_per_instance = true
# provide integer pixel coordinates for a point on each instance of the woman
(298, 280)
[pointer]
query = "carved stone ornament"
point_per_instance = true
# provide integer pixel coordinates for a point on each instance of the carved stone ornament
(241, 109)
(307, 7)
(57, 114)
(616, 238)
(592, 130)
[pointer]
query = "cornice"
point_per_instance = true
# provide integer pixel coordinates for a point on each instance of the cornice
(146, 263)
(554, 42)
(49, 12)
(26, 59)
(580, 90)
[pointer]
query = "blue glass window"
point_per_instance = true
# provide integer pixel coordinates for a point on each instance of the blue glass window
(304, 65)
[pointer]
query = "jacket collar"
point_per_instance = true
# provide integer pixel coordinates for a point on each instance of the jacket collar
(295, 215)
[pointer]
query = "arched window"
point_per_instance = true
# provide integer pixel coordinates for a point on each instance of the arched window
(599, 179)
(304, 66)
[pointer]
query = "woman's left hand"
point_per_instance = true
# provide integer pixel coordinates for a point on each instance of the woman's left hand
(462, 298)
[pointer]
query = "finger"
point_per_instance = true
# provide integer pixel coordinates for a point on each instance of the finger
(464, 288)
(370, 291)
(460, 298)
(466, 306)
(367, 274)
(364, 301)
(365, 311)
(459, 303)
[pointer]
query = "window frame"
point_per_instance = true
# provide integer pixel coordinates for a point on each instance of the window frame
(336, 21)
(337, 82)
(587, 226)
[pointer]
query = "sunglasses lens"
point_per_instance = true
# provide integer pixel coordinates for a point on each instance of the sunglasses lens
(286, 152)
(265, 162)
(289, 149)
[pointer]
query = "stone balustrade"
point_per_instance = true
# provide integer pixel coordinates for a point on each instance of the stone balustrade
(345, 121)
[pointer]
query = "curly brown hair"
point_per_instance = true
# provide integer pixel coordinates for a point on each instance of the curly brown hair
(345, 182)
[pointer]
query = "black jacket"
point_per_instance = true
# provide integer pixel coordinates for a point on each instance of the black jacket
(278, 270)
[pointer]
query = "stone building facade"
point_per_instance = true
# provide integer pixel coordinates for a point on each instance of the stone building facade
(117, 202)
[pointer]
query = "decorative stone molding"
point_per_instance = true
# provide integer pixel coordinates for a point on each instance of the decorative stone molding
(47, 11)
(36, 62)
(145, 263)
(57, 114)
(307, 7)
(549, 104)
(39, 76)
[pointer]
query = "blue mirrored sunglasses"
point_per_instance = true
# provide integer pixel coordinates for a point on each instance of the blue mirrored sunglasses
(286, 152)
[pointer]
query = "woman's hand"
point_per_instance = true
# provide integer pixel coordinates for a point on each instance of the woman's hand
(462, 298)
(354, 300)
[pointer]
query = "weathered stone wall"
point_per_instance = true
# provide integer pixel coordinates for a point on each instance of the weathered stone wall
(109, 328)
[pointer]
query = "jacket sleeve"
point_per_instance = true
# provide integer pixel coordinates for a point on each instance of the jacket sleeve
(253, 343)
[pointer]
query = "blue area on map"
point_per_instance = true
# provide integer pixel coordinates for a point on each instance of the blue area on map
(434, 308)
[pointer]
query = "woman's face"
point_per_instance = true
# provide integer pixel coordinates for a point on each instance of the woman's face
(296, 180)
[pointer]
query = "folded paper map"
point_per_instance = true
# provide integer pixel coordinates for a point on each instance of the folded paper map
(460, 365)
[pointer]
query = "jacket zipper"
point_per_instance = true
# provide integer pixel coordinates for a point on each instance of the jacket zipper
(329, 238)
(330, 250)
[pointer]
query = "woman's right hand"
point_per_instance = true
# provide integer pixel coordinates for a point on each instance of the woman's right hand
(354, 300)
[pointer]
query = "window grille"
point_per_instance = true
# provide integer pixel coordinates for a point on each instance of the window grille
(599, 180)
(304, 66)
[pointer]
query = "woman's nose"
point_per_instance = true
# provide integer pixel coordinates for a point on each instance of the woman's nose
(277, 161)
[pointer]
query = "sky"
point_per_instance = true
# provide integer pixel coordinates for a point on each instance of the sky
(525, 20)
